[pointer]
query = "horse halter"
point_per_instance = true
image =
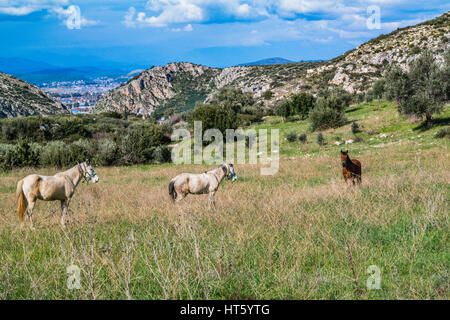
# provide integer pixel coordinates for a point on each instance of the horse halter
(87, 175)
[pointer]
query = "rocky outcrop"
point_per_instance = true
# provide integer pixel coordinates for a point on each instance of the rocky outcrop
(158, 86)
(19, 98)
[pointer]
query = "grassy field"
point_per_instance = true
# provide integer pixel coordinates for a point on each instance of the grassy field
(301, 234)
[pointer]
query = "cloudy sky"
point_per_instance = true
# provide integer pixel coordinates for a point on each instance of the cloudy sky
(216, 33)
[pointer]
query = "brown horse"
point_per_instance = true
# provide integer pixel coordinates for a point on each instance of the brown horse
(351, 169)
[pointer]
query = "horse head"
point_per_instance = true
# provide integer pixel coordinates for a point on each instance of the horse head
(228, 169)
(344, 158)
(88, 171)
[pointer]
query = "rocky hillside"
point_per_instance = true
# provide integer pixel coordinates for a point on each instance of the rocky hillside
(357, 69)
(19, 98)
(181, 85)
(176, 84)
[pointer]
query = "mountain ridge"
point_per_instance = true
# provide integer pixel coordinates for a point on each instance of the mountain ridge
(354, 71)
(267, 61)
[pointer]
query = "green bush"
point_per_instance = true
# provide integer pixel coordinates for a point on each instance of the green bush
(107, 152)
(423, 90)
(21, 155)
(320, 139)
(328, 113)
(443, 133)
(378, 88)
(299, 104)
(355, 127)
(55, 154)
(162, 154)
(138, 145)
(215, 117)
(268, 94)
(302, 138)
(291, 136)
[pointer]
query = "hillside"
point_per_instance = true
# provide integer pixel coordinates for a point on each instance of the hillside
(357, 69)
(19, 98)
(180, 85)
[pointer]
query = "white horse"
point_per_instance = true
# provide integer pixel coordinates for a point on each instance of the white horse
(60, 187)
(207, 182)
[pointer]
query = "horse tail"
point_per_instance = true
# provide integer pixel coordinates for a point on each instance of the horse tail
(21, 201)
(172, 191)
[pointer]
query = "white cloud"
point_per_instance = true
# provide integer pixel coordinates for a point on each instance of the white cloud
(72, 17)
(69, 14)
(161, 13)
(187, 28)
(172, 11)
(129, 18)
(17, 11)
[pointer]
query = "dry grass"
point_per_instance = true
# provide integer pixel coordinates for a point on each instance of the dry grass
(280, 237)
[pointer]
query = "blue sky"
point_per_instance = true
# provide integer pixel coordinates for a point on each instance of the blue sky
(216, 33)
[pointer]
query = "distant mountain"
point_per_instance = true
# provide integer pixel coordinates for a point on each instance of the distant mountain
(268, 61)
(37, 72)
(19, 65)
(19, 98)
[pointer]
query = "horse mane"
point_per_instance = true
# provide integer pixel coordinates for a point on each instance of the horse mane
(207, 171)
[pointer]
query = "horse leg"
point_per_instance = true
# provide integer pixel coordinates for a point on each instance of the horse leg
(211, 199)
(30, 212)
(180, 196)
(64, 207)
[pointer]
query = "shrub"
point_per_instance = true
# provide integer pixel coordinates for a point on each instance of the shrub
(215, 117)
(423, 90)
(328, 113)
(23, 154)
(299, 104)
(86, 147)
(291, 136)
(55, 154)
(268, 94)
(107, 152)
(355, 127)
(162, 154)
(378, 88)
(443, 133)
(302, 137)
(137, 146)
(320, 139)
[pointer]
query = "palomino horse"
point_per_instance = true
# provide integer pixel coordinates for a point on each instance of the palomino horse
(351, 169)
(207, 182)
(60, 187)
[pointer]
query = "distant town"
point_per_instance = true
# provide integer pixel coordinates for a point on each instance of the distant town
(80, 95)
